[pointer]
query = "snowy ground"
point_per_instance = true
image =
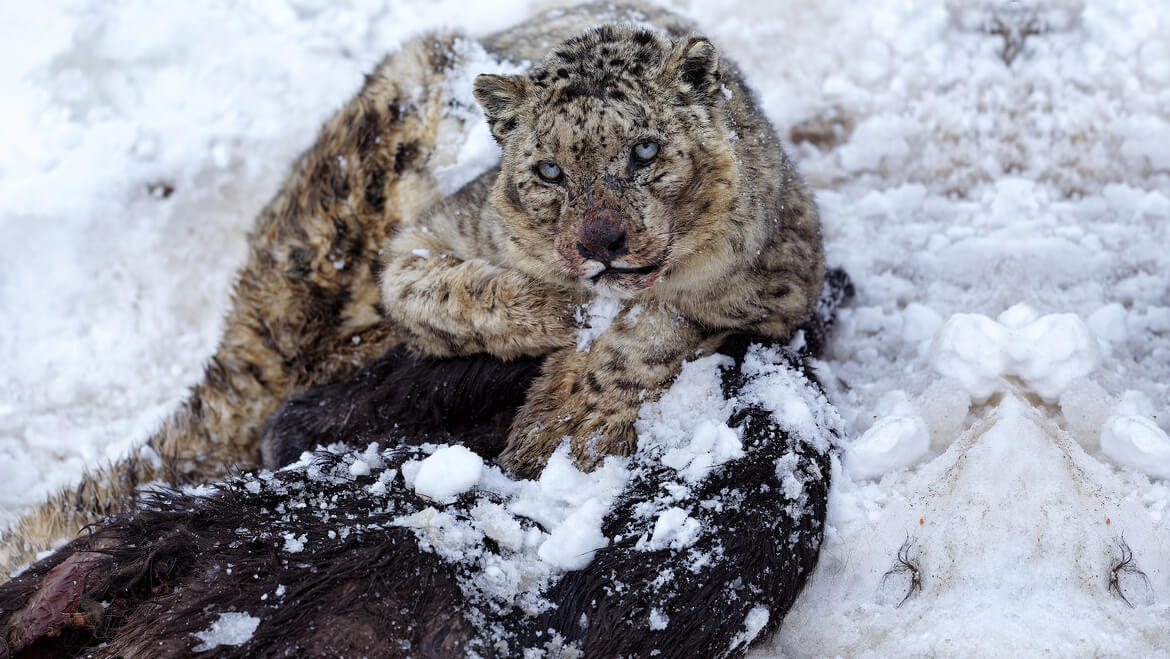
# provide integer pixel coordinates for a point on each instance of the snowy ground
(1012, 459)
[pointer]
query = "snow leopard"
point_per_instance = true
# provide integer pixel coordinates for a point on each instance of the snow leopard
(635, 164)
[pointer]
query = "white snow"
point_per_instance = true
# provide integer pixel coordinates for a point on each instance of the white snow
(554, 524)
(594, 318)
(447, 473)
(293, 543)
(754, 623)
(673, 528)
(359, 468)
(894, 442)
(141, 140)
(1138, 443)
(574, 541)
(712, 444)
(571, 505)
(475, 149)
(229, 629)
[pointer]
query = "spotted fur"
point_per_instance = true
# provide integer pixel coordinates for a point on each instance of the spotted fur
(715, 233)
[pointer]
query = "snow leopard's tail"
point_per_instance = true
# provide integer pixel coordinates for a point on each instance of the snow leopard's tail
(305, 305)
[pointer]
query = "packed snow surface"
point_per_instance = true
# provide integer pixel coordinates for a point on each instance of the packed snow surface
(992, 175)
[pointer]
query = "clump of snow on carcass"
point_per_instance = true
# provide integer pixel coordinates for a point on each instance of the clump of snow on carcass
(233, 628)
(686, 431)
(755, 622)
(542, 528)
(553, 523)
(689, 422)
(449, 471)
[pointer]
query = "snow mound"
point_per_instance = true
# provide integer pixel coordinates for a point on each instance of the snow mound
(1046, 353)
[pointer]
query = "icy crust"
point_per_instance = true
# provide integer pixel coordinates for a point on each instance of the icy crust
(706, 466)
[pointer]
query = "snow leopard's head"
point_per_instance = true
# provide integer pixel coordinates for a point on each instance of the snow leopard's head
(618, 162)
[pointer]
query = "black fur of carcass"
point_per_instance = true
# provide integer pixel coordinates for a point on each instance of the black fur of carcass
(147, 583)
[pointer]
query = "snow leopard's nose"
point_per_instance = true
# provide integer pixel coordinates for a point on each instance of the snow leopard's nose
(602, 239)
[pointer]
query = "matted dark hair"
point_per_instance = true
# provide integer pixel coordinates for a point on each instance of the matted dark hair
(358, 585)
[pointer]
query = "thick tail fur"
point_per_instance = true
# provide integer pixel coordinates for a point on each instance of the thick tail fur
(297, 318)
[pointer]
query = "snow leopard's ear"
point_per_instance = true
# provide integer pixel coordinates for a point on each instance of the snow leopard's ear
(693, 64)
(502, 98)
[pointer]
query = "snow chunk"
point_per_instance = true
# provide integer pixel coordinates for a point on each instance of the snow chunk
(754, 622)
(712, 444)
(1047, 353)
(1138, 443)
(359, 468)
(573, 543)
(572, 504)
(447, 473)
(294, 544)
(969, 348)
(658, 619)
(1052, 351)
(499, 525)
(674, 528)
(384, 478)
(892, 443)
(443, 533)
(229, 629)
(596, 317)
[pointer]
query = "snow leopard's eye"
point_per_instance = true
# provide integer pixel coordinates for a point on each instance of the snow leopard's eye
(645, 151)
(550, 171)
